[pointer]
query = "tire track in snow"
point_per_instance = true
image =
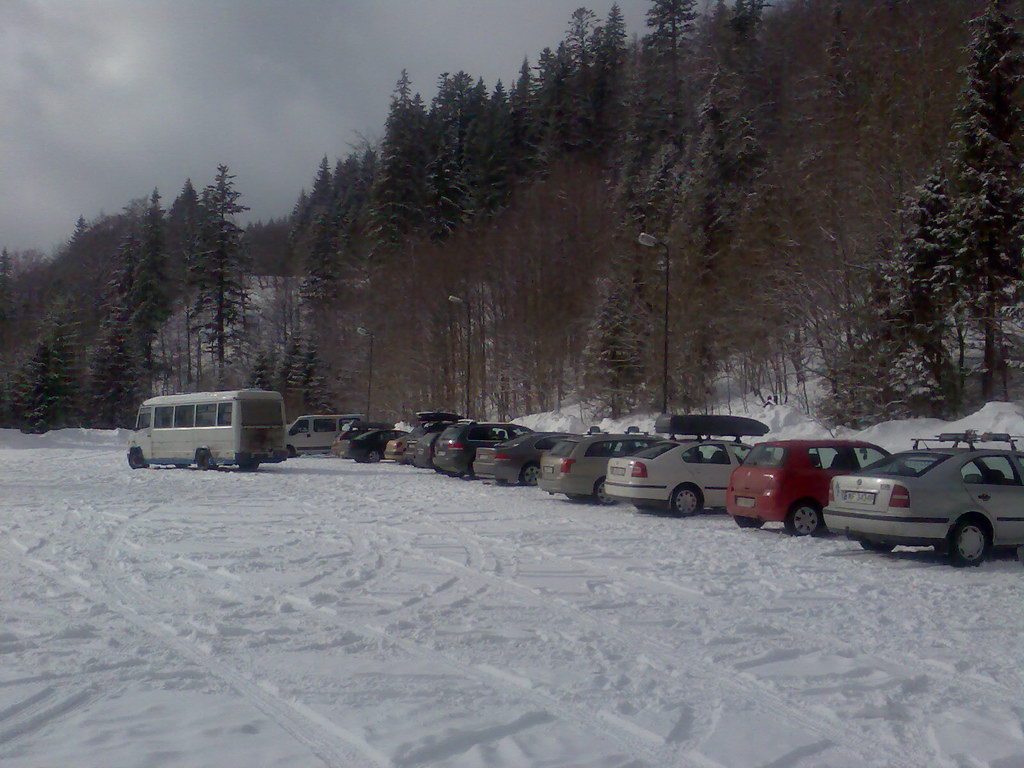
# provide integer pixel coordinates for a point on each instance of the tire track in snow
(334, 745)
(39, 710)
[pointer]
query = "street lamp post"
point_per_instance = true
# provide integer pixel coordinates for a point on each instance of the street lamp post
(369, 364)
(465, 303)
(649, 241)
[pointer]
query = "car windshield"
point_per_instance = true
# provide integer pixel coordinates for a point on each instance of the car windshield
(564, 448)
(911, 464)
(767, 456)
(656, 450)
(451, 433)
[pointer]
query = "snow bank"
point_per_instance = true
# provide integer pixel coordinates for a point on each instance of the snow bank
(65, 438)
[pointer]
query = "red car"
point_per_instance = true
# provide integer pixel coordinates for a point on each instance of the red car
(786, 481)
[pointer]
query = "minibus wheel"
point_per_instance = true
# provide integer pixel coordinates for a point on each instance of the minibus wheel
(136, 460)
(204, 460)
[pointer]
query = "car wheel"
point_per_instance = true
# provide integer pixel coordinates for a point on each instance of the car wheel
(686, 500)
(804, 519)
(292, 453)
(969, 543)
(877, 546)
(529, 474)
(204, 460)
(248, 465)
(576, 497)
(601, 495)
(747, 522)
(136, 460)
(373, 457)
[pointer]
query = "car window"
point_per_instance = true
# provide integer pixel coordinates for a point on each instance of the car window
(822, 457)
(325, 425)
(223, 414)
(714, 454)
(499, 433)
(563, 448)
(184, 415)
(515, 430)
(909, 464)
(868, 456)
(206, 415)
(635, 446)
(544, 444)
(692, 455)
(600, 449)
(145, 417)
(302, 425)
(450, 433)
(654, 451)
(990, 470)
(164, 416)
(741, 452)
(767, 456)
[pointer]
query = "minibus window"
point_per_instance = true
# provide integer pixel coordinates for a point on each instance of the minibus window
(164, 416)
(145, 416)
(206, 415)
(224, 414)
(262, 413)
(184, 415)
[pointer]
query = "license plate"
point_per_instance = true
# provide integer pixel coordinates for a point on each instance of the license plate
(861, 497)
(744, 501)
(549, 470)
(618, 470)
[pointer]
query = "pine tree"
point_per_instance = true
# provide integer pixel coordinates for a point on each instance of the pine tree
(989, 207)
(114, 385)
(149, 298)
(218, 275)
(46, 390)
(261, 376)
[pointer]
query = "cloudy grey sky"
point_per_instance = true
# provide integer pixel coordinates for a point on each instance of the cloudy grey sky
(103, 100)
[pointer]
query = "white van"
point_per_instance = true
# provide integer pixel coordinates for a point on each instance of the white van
(244, 428)
(316, 433)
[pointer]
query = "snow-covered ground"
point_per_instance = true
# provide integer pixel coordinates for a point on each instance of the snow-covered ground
(322, 612)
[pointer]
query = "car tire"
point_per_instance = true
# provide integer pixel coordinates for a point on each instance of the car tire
(249, 465)
(373, 457)
(576, 497)
(529, 474)
(136, 460)
(804, 519)
(686, 500)
(877, 546)
(601, 495)
(748, 522)
(204, 460)
(292, 453)
(969, 543)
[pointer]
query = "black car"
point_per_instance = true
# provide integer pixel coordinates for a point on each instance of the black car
(456, 446)
(356, 428)
(517, 460)
(369, 446)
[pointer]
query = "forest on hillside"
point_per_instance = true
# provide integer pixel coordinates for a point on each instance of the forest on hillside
(830, 193)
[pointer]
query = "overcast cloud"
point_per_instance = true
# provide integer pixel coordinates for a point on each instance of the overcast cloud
(103, 100)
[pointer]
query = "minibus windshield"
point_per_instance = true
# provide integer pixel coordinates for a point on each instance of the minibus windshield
(261, 413)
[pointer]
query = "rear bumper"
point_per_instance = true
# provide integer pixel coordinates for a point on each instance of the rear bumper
(263, 457)
(908, 529)
(636, 492)
(567, 484)
(764, 508)
(457, 464)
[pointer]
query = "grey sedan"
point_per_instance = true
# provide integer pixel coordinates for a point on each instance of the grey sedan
(517, 460)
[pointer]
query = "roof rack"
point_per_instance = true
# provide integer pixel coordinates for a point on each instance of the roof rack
(969, 437)
(595, 430)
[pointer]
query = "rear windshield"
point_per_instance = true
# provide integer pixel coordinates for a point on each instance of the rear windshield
(656, 450)
(450, 433)
(262, 413)
(911, 464)
(767, 456)
(563, 448)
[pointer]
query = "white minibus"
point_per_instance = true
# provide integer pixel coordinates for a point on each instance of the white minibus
(316, 433)
(244, 428)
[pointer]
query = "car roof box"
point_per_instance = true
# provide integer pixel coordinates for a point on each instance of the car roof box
(703, 425)
(437, 416)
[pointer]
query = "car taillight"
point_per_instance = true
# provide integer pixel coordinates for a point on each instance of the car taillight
(831, 493)
(639, 469)
(566, 467)
(502, 457)
(900, 497)
(455, 445)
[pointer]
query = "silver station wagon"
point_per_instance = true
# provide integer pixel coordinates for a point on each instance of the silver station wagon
(962, 499)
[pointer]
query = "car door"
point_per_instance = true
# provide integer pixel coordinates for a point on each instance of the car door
(716, 465)
(994, 483)
(300, 435)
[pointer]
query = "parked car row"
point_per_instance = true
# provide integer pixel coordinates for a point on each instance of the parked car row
(954, 492)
